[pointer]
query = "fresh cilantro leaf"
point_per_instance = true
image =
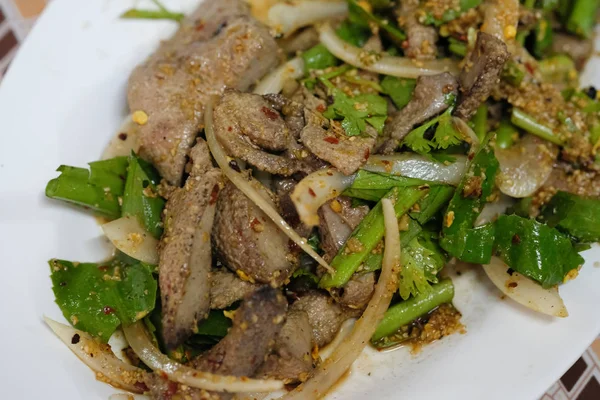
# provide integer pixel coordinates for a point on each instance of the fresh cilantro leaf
(400, 90)
(446, 134)
(356, 111)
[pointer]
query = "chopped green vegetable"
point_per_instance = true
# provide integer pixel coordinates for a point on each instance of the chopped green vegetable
(356, 111)
(98, 297)
(457, 47)
(479, 123)
(513, 73)
(215, 325)
(135, 13)
(582, 17)
(318, 57)
(381, 181)
(140, 198)
(362, 17)
(451, 13)
(98, 189)
(459, 238)
(535, 250)
(366, 236)
(529, 124)
(506, 134)
(354, 34)
(575, 215)
(558, 69)
(407, 311)
(543, 35)
(400, 90)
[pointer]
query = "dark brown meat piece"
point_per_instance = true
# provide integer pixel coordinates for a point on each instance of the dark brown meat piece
(324, 315)
(430, 98)
(185, 248)
(345, 153)
(291, 359)
(226, 288)
(575, 47)
(480, 74)
(336, 226)
(219, 45)
(421, 39)
(256, 324)
(247, 241)
(247, 125)
(357, 292)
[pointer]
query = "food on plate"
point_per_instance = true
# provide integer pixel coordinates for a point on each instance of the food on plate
(288, 167)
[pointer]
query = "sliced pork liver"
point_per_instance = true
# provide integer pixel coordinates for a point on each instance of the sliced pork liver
(185, 248)
(219, 45)
(247, 241)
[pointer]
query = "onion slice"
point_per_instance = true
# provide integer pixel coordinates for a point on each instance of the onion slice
(332, 369)
(273, 82)
(241, 182)
(286, 18)
(526, 166)
(382, 64)
(315, 190)
(99, 357)
(525, 291)
(468, 134)
(141, 344)
(124, 142)
(416, 166)
(128, 235)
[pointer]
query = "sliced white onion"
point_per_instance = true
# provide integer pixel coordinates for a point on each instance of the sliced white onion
(285, 18)
(124, 142)
(241, 182)
(332, 369)
(501, 18)
(99, 358)
(525, 291)
(468, 134)
(128, 235)
(492, 210)
(273, 82)
(525, 166)
(118, 343)
(141, 344)
(382, 64)
(317, 189)
(416, 166)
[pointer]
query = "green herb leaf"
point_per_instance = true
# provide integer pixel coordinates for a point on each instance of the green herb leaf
(459, 238)
(400, 90)
(535, 250)
(361, 17)
(575, 215)
(98, 297)
(140, 198)
(98, 189)
(318, 57)
(355, 111)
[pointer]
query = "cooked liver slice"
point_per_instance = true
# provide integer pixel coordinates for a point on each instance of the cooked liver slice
(218, 46)
(185, 255)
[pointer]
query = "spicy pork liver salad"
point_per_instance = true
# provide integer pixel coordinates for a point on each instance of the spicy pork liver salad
(290, 166)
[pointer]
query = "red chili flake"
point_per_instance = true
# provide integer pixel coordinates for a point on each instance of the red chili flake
(103, 268)
(107, 310)
(312, 192)
(141, 386)
(405, 44)
(163, 375)
(272, 115)
(214, 194)
(75, 339)
(123, 136)
(516, 239)
(332, 140)
(471, 156)
(321, 108)
(200, 26)
(330, 173)
(254, 223)
(229, 128)
(530, 68)
(463, 38)
(171, 389)
(513, 285)
(367, 153)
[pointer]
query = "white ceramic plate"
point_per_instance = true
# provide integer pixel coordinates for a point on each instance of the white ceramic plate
(63, 98)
